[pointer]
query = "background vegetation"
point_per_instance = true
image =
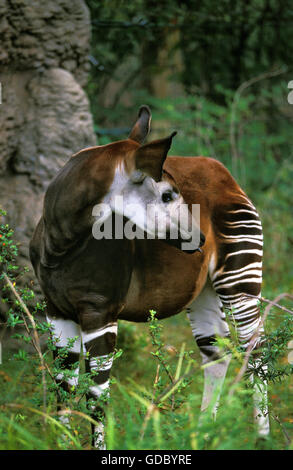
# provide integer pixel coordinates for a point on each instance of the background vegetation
(218, 73)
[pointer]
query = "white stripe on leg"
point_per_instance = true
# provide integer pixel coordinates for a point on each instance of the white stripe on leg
(260, 398)
(214, 377)
(62, 330)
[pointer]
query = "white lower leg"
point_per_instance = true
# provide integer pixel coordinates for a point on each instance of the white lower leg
(260, 398)
(214, 376)
(66, 334)
(99, 436)
(207, 321)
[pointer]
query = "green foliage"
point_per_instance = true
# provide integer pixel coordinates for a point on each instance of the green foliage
(8, 248)
(157, 424)
(219, 45)
(276, 348)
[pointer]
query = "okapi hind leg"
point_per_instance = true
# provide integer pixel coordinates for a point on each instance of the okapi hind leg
(99, 345)
(208, 321)
(66, 336)
(238, 274)
(246, 319)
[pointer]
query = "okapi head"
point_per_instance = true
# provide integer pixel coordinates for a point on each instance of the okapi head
(145, 195)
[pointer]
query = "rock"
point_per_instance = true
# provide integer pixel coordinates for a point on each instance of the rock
(44, 115)
(54, 33)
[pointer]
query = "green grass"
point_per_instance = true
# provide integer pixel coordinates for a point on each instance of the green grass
(22, 426)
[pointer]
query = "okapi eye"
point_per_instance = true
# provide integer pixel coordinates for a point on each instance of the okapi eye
(167, 196)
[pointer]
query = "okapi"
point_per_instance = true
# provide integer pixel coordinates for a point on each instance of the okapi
(92, 282)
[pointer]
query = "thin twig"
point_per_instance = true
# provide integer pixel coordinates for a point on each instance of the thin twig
(148, 414)
(156, 378)
(287, 437)
(256, 335)
(35, 338)
(237, 95)
(165, 367)
(187, 374)
(272, 302)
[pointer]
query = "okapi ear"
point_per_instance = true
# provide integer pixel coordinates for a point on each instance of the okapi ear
(150, 158)
(142, 126)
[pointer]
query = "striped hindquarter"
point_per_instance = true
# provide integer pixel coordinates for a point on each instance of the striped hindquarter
(238, 272)
(235, 275)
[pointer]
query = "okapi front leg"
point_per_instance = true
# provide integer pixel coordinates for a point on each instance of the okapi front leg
(99, 345)
(67, 340)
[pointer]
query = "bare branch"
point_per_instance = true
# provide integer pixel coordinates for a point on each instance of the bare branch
(273, 302)
(287, 437)
(236, 98)
(35, 337)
